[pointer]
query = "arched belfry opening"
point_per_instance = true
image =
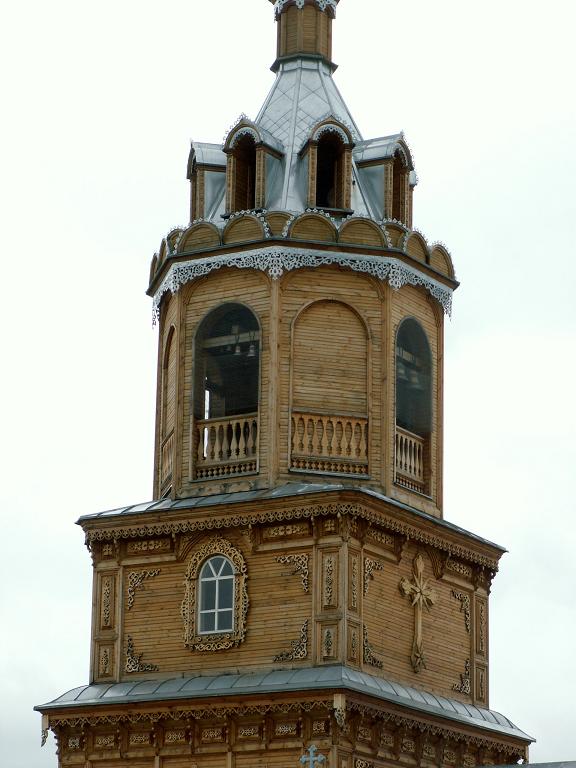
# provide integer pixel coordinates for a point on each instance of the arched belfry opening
(413, 406)
(330, 171)
(400, 177)
(226, 392)
(244, 191)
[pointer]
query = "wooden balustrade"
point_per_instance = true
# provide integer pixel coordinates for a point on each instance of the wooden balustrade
(226, 446)
(166, 459)
(329, 443)
(411, 460)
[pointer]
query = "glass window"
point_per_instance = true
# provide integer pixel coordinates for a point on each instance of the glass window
(216, 596)
(413, 379)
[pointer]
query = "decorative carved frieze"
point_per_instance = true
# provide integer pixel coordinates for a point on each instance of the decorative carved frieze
(212, 734)
(421, 597)
(134, 661)
(299, 649)
(464, 601)
(464, 686)
(137, 739)
(175, 737)
(353, 643)
(248, 732)
(353, 588)
(105, 741)
(286, 531)
(107, 601)
(105, 661)
(309, 512)
(368, 653)
(224, 640)
(392, 727)
(319, 728)
(364, 733)
(458, 567)
(301, 565)
(360, 763)
(74, 743)
(328, 580)
(152, 546)
(481, 637)
(328, 644)
(369, 567)
(286, 729)
(135, 579)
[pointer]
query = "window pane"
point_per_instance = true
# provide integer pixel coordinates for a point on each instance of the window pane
(216, 563)
(207, 622)
(225, 593)
(227, 569)
(207, 570)
(224, 620)
(208, 599)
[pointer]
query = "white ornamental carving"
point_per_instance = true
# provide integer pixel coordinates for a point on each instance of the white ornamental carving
(275, 260)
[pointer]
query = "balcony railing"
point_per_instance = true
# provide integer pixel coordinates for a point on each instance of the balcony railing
(166, 459)
(410, 460)
(329, 443)
(226, 446)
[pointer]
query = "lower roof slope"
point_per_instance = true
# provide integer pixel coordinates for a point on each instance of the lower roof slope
(285, 681)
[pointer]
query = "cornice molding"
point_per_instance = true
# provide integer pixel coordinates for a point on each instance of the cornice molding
(276, 260)
(245, 519)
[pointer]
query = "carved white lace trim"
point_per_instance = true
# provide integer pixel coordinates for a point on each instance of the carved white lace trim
(276, 260)
(322, 4)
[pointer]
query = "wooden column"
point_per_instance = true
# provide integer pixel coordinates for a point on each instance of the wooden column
(312, 172)
(230, 185)
(388, 188)
(260, 191)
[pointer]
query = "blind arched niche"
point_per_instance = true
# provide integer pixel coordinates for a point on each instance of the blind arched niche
(329, 424)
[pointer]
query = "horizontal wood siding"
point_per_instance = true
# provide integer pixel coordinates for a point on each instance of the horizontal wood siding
(330, 352)
(201, 236)
(243, 229)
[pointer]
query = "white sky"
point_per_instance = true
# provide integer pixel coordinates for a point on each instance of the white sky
(100, 101)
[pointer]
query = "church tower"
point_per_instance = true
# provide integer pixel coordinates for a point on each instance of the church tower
(293, 588)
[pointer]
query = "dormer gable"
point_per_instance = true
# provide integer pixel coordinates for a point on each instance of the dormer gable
(251, 153)
(327, 155)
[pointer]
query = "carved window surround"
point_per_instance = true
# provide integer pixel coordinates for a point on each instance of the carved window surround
(215, 641)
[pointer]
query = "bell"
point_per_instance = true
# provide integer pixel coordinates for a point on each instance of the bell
(251, 350)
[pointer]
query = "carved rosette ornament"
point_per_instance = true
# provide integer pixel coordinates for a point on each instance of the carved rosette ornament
(421, 597)
(224, 640)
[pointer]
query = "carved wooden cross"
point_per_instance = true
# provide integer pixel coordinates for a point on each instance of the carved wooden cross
(311, 760)
(421, 596)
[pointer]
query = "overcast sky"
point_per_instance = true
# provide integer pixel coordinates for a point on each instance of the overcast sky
(100, 101)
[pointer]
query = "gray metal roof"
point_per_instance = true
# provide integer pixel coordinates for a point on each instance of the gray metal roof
(570, 764)
(281, 491)
(282, 681)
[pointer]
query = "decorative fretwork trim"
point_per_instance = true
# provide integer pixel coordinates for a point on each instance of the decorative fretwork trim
(464, 601)
(135, 579)
(369, 567)
(464, 686)
(275, 260)
(273, 516)
(222, 641)
(134, 661)
(384, 717)
(301, 565)
(322, 4)
(369, 657)
(299, 647)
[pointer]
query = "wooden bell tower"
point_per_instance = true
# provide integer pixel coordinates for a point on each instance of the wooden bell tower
(293, 587)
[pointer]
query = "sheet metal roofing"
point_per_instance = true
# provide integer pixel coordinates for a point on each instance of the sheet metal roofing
(287, 490)
(282, 681)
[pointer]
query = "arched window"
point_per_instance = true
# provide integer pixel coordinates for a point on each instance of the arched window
(244, 194)
(330, 171)
(413, 379)
(216, 588)
(227, 363)
(215, 604)
(226, 392)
